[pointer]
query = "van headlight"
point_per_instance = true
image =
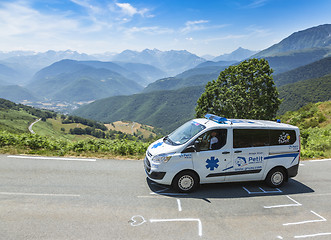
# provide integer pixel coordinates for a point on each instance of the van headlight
(162, 158)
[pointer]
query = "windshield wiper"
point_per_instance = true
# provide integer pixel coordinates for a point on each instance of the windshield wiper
(166, 138)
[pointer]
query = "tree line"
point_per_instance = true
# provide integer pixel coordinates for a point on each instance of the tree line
(84, 121)
(40, 113)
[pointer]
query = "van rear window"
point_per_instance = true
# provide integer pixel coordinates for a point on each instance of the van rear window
(282, 137)
(245, 138)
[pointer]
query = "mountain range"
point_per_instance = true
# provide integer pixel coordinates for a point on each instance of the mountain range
(163, 77)
(302, 72)
(173, 62)
(61, 80)
(169, 109)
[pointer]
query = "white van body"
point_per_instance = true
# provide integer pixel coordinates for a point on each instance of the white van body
(248, 150)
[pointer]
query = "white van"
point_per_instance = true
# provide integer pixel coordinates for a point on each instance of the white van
(216, 149)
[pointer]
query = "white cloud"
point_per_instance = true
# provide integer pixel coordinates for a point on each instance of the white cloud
(199, 25)
(191, 26)
(88, 5)
(18, 18)
(128, 9)
(154, 30)
(257, 3)
(258, 31)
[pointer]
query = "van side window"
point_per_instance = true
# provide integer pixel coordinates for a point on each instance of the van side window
(282, 137)
(245, 138)
(212, 140)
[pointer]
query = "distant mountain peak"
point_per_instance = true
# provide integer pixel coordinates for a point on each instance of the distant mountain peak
(314, 37)
(172, 62)
(237, 55)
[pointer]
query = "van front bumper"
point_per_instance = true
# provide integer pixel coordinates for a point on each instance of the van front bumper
(152, 174)
(156, 175)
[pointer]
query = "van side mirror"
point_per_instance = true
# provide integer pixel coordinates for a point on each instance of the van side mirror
(190, 149)
(197, 146)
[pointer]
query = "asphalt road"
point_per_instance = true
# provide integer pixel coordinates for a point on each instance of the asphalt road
(58, 198)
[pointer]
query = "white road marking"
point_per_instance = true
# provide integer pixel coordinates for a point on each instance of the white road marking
(286, 205)
(181, 220)
(53, 158)
(179, 205)
(320, 160)
(315, 194)
(137, 220)
(322, 219)
(262, 191)
(313, 235)
(39, 194)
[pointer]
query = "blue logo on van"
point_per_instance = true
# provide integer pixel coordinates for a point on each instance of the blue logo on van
(157, 145)
(212, 163)
(241, 161)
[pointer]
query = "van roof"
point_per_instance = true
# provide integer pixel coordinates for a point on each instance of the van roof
(244, 123)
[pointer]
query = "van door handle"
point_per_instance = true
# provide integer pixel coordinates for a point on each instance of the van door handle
(225, 152)
(238, 151)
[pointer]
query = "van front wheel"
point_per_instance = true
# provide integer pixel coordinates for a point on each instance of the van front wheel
(276, 177)
(185, 182)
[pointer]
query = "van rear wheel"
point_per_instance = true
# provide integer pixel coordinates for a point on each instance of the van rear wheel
(185, 182)
(276, 177)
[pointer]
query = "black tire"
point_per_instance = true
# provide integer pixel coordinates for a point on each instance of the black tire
(186, 181)
(276, 177)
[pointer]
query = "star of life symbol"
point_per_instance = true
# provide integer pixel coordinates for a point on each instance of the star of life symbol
(212, 163)
(157, 144)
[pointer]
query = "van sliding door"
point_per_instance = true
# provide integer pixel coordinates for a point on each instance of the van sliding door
(250, 147)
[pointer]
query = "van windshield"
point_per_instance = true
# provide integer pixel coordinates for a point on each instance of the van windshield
(184, 133)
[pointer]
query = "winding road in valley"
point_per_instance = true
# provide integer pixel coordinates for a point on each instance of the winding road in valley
(31, 125)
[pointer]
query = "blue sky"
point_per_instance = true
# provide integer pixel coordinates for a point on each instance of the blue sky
(198, 26)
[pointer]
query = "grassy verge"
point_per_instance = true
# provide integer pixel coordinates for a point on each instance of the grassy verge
(314, 121)
(49, 146)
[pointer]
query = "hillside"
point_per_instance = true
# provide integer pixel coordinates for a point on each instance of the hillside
(70, 80)
(8, 75)
(27, 63)
(298, 94)
(236, 56)
(147, 72)
(16, 118)
(313, 70)
(287, 61)
(281, 63)
(194, 77)
(314, 121)
(138, 107)
(315, 37)
(161, 109)
(16, 93)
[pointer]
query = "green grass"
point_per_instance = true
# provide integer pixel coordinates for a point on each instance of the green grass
(314, 121)
(52, 128)
(15, 121)
(28, 143)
